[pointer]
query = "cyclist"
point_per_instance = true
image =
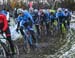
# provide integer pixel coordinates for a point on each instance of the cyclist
(19, 19)
(52, 17)
(60, 17)
(44, 16)
(5, 28)
(26, 20)
(37, 21)
(67, 17)
(47, 13)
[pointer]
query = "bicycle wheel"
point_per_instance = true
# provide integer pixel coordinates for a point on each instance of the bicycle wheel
(26, 46)
(27, 43)
(16, 55)
(16, 51)
(2, 52)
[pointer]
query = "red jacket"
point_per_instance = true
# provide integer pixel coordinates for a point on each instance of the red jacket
(3, 22)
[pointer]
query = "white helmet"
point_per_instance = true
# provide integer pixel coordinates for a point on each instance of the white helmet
(20, 10)
(36, 10)
(59, 9)
(66, 9)
(44, 11)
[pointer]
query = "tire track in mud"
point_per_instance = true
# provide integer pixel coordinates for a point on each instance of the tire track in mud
(47, 45)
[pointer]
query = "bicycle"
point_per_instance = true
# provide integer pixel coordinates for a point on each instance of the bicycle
(29, 39)
(2, 50)
(7, 53)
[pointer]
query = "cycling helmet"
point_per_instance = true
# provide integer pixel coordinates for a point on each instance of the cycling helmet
(66, 9)
(51, 10)
(35, 10)
(44, 11)
(20, 11)
(59, 9)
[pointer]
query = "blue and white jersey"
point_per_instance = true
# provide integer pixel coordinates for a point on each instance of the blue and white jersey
(60, 14)
(26, 17)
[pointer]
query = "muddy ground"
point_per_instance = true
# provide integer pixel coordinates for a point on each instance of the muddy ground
(48, 44)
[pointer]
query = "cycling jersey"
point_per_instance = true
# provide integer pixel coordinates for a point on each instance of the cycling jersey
(60, 15)
(27, 16)
(3, 22)
(52, 17)
(26, 19)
